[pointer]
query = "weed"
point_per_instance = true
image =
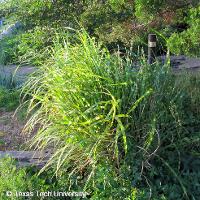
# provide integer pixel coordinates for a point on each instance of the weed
(9, 99)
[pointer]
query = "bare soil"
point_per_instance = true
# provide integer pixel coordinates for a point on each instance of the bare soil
(11, 137)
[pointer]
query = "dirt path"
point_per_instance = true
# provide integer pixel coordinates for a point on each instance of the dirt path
(10, 132)
(10, 128)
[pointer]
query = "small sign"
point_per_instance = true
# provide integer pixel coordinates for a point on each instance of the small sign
(152, 44)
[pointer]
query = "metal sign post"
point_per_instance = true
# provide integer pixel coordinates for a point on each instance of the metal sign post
(151, 48)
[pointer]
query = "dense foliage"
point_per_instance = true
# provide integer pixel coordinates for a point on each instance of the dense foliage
(113, 22)
(118, 128)
(188, 41)
(25, 183)
(113, 125)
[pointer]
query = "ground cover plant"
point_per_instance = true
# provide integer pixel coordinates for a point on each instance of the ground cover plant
(25, 180)
(111, 124)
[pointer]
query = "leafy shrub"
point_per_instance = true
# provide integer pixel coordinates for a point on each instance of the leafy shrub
(8, 48)
(18, 47)
(32, 43)
(187, 42)
(28, 46)
(113, 22)
(146, 10)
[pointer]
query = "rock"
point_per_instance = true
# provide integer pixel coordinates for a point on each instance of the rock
(14, 74)
(28, 158)
(182, 62)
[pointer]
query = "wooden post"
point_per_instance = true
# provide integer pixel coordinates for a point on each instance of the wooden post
(151, 48)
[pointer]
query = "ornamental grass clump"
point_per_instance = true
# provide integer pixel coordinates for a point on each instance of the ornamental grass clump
(92, 108)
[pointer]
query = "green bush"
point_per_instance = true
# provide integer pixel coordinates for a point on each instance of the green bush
(31, 45)
(28, 46)
(8, 49)
(102, 115)
(187, 42)
(115, 23)
(18, 47)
